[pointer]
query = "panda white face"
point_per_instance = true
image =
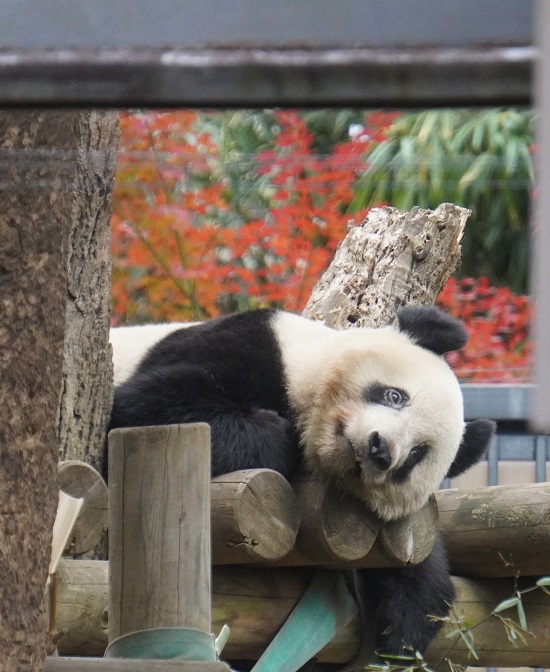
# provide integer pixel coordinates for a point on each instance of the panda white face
(384, 419)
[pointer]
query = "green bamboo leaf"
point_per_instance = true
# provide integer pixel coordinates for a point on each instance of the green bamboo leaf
(506, 604)
(544, 581)
(479, 171)
(468, 641)
(521, 615)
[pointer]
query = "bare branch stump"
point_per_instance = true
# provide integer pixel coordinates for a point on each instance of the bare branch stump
(391, 259)
(500, 530)
(255, 517)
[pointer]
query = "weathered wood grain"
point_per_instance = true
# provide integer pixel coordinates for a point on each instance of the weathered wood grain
(159, 528)
(502, 530)
(391, 259)
(79, 479)
(255, 517)
(255, 603)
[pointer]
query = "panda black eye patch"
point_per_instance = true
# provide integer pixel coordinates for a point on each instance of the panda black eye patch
(417, 454)
(393, 397)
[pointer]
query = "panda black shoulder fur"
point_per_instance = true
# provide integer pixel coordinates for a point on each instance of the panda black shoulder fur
(376, 411)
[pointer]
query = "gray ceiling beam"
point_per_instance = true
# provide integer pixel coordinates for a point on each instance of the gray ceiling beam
(257, 53)
(258, 77)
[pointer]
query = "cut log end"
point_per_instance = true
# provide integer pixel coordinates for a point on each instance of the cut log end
(255, 517)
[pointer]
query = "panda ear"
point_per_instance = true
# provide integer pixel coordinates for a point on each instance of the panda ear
(432, 329)
(475, 441)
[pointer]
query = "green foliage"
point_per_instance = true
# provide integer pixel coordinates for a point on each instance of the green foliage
(481, 160)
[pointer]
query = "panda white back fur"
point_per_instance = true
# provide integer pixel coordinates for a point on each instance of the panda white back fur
(376, 411)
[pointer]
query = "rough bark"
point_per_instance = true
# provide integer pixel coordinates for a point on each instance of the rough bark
(391, 259)
(48, 178)
(35, 220)
(87, 363)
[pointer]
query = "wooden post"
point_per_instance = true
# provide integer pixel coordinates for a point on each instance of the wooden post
(159, 527)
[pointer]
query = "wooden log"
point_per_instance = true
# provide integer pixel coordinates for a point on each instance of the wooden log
(82, 607)
(476, 598)
(406, 541)
(391, 259)
(55, 664)
(255, 603)
(79, 479)
(496, 531)
(159, 528)
(335, 530)
(339, 531)
(255, 517)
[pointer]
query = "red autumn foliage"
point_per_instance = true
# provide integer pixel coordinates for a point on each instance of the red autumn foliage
(176, 252)
(185, 247)
(497, 321)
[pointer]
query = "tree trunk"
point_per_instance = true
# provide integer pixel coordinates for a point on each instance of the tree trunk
(87, 362)
(42, 154)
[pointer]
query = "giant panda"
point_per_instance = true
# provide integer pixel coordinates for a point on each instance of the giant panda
(376, 412)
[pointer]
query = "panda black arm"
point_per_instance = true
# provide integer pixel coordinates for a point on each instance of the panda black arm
(243, 436)
(405, 597)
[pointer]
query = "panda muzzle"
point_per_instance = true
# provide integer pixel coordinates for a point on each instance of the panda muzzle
(378, 451)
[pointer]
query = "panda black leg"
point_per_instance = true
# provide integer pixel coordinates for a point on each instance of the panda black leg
(406, 597)
(242, 437)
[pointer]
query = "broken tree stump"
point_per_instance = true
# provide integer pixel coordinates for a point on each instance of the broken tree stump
(391, 259)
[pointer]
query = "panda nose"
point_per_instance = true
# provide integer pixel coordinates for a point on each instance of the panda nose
(379, 452)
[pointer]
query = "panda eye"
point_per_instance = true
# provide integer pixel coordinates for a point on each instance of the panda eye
(394, 397)
(417, 453)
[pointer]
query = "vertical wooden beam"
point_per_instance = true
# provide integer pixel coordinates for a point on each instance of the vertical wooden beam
(540, 230)
(159, 528)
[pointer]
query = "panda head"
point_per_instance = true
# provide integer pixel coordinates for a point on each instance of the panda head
(386, 419)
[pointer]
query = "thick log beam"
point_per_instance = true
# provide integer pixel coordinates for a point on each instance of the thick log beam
(503, 530)
(255, 517)
(255, 603)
